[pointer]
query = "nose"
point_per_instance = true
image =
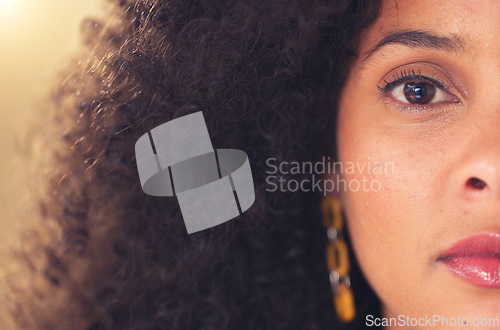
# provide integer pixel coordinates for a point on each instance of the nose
(478, 173)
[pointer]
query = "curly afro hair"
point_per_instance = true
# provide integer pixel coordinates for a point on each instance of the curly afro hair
(104, 255)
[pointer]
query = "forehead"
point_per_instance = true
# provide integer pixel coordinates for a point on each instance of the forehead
(476, 22)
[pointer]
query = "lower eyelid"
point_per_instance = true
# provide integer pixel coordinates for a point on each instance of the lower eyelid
(427, 111)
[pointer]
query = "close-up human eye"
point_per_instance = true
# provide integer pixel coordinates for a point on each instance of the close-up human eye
(414, 89)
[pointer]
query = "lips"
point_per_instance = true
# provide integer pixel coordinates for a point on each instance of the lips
(475, 259)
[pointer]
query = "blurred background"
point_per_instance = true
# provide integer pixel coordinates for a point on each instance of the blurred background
(36, 36)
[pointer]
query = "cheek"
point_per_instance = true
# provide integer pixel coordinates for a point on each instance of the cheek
(378, 222)
(390, 221)
(379, 225)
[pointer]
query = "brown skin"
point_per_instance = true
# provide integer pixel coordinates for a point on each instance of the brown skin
(426, 205)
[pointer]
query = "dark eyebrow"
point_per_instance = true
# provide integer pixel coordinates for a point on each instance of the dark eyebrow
(419, 39)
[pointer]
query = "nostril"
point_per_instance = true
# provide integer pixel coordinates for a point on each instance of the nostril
(476, 183)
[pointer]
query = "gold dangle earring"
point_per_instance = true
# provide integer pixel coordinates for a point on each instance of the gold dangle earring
(337, 259)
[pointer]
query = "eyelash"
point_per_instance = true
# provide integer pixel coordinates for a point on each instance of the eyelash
(409, 76)
(406, 76)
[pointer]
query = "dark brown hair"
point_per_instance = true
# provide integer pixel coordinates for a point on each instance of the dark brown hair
(267, 76)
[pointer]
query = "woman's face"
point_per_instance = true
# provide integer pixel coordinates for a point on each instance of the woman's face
(422, 108)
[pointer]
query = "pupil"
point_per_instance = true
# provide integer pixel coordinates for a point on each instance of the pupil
(419, 92)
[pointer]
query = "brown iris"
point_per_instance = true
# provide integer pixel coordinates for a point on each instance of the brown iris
(419, 92)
